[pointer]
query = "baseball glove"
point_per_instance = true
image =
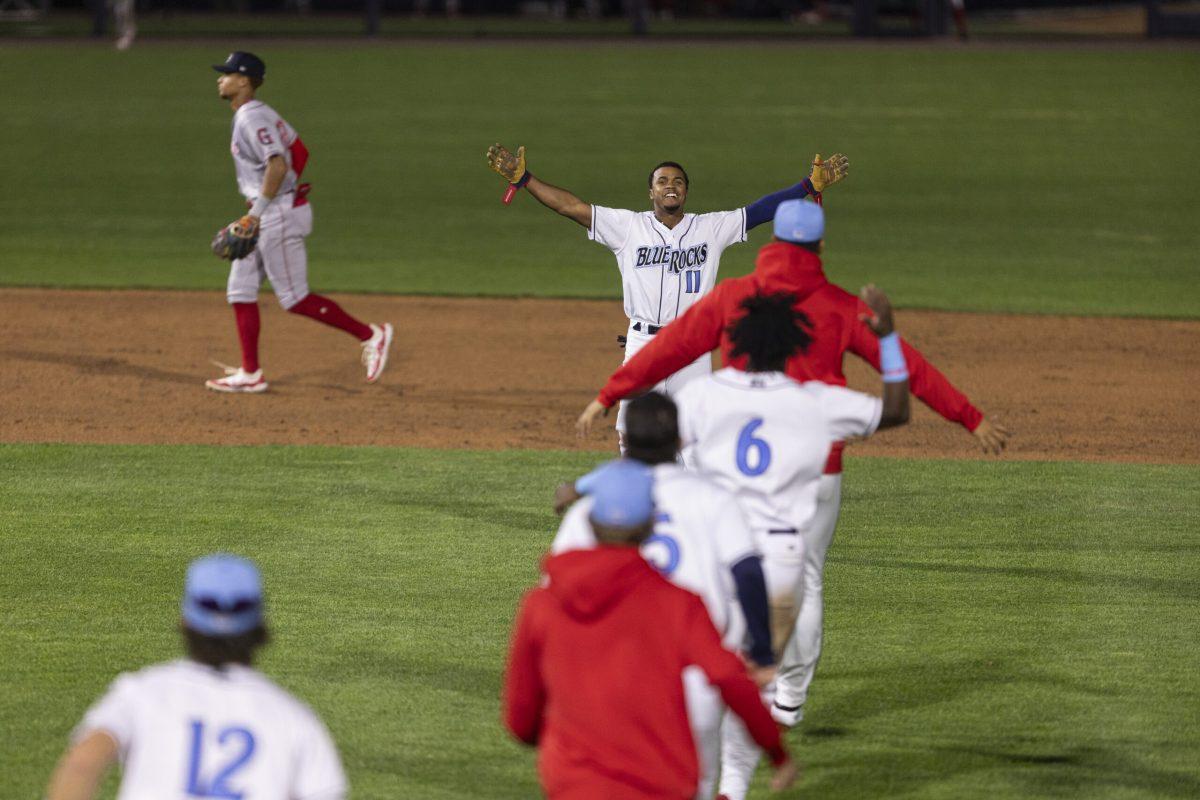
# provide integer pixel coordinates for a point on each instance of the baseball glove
(512, 167)
(828, 172)
(236, 240)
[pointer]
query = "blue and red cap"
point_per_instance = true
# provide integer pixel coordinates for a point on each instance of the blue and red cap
(243, 63)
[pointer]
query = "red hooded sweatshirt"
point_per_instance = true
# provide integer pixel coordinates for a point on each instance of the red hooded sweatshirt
(594, 679)
(784, 267)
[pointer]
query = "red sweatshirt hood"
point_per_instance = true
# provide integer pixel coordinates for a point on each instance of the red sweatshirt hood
(588, 583)
(783, 267)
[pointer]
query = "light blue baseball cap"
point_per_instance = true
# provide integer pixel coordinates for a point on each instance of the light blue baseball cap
(222, 595)
(799, 221)
(622, 494)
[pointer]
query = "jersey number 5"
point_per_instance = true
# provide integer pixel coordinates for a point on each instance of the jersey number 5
(746, 444)
(661, 549)
(243, 747)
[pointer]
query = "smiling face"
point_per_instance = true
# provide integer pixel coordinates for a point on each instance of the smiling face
(668, 189)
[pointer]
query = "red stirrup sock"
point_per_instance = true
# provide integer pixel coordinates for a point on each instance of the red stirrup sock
(248, 324)
(322, 309)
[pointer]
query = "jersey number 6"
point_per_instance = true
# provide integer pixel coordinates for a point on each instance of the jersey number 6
(747, 443)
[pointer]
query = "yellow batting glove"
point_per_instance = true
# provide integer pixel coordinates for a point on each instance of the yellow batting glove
(511, 167)
(827, 173)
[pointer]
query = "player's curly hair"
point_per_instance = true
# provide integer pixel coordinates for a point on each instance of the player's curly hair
(218, 651)
(650, 178)
(652, 429)
(770, 332)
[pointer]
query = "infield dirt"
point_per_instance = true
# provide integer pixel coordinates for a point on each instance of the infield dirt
(129, 367)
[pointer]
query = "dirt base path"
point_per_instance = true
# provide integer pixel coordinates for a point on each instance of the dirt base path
(129, 367)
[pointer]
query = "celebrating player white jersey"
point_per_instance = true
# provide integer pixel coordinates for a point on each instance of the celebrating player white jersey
(701, 542)
(209, 725)
(668, 259)
(767, 437)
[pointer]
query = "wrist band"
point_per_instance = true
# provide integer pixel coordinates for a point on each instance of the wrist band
(891, 359)
(260, 205)
(524, 179)
(808, 187)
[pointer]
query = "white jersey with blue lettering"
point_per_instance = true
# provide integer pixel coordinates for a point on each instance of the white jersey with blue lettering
(259, 133)
(185, 730)
(699, 535)
(665, 270)
(766, 437)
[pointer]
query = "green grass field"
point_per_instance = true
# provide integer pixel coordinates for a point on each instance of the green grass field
(1001, 630)
(1022, 179)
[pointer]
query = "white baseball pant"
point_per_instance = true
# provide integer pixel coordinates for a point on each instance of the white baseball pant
(705, 709)
(280, 256)
(783, 562)
(804, 648)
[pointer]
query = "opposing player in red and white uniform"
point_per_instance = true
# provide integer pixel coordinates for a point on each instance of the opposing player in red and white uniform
(766, 437)
(792, 263)
(209, 725)
(702, 543)
(269, 158)
(668, 259)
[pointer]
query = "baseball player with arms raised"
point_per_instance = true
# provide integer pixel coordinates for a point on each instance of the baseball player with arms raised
(208, 725)
(702, 543)
(269, 240)
(766, 437)
(792, 263)
(668, 259)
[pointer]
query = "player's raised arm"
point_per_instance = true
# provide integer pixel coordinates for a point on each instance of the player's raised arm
(893, 367)
(512, 168)
(824, 174)
(933, 388)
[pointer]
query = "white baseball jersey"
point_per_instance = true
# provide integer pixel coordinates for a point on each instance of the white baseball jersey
(766, 437)
(699, 534)
(663, 270)
(187, 731)
(259, 133)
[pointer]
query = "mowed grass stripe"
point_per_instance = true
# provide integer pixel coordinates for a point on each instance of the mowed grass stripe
(994, 629)
(996, 180)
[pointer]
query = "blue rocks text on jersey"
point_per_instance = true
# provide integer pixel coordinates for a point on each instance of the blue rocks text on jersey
(676, 260)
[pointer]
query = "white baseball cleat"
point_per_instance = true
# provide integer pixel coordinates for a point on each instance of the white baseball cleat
(788, 716)
(238, 380)
(375, 351)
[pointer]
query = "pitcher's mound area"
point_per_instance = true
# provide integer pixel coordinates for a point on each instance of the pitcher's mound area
(129, 367)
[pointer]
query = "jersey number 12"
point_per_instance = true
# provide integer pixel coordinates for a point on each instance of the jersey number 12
(242, 742)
